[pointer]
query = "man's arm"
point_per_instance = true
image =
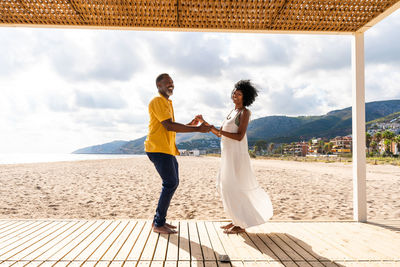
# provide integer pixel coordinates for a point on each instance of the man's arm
(182, 128)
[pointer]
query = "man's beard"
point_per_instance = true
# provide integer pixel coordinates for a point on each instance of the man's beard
(169, 92)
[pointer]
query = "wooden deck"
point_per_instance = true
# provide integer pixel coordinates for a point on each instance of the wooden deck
(199, 243)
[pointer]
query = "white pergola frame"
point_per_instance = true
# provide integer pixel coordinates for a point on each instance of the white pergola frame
(358, 91)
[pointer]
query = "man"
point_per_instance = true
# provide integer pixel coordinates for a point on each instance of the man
(161, 149)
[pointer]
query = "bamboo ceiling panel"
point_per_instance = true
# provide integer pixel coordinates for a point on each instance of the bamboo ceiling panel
(252, 15)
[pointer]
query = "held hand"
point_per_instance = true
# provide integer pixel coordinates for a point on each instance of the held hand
(200, 118)
(203, 128)
(194, 122)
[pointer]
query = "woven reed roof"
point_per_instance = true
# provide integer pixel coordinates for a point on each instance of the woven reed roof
(230, 15)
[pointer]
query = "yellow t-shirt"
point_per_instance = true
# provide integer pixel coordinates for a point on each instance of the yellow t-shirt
(159, 139)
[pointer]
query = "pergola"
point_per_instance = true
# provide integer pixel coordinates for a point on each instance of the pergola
(351, 17)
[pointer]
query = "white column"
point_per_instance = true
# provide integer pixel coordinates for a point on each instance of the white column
(359, 165)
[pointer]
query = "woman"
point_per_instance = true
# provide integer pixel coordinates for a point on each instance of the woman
(246, 203)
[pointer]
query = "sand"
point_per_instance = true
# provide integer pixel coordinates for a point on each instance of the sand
(129, 188)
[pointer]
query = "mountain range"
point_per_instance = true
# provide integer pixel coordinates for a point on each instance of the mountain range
(277, 129)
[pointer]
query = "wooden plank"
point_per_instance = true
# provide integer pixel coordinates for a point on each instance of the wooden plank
(294, 256)
(360, 250)
(157, 263)
(74, 226)
(130, 242)
(6, 222)
(25, 253)
(305, 250)
(87, 239)
(380, 249)
(184, 246)
(18, 233)
(206, 247)
(314, 245)
(245, 252)
(11, 226)
(137, 249)
(263, 264)
(210, 264)
(142, 264)
(109, 240)
(161, 250)
(97, 242)
(216, 243)
(300, 251)
(149, 249)
(230, 248)
(170, 263)
(173, 245)
(113, 251)
(183, 263)
(30, 240)
(266, 253)
(321, 243)
(331, 236)
(195, 247)
(202, 264)
(24, 236)
(120, 263)
(62, 248)
(280, 253)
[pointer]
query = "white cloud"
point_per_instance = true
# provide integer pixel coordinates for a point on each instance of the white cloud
(66, 89)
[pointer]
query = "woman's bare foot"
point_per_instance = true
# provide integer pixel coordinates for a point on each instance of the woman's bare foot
(235, 230)
(227, 226)
(163, 230)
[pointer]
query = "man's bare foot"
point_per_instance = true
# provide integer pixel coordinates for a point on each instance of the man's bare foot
(227, 226)
(235, 230)
(170, 226)
(163, 230)
(166, 224)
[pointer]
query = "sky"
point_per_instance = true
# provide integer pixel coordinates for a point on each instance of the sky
(64, 89)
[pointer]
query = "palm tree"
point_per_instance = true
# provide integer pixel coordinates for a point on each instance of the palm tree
(328, 148)
(397, 140)
(368, 139)
(373, 145)
(321, 145)
(377, 138)
(271, 147)
(388, 138)
(388, 135)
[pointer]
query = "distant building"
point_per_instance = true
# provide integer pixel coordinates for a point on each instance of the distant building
(394, 148)
(296, 149)
(194, 152)
(341, 144)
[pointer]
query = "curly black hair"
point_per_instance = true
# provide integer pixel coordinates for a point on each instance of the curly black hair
(248, 90)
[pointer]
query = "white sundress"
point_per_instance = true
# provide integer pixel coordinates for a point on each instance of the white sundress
(244, 201)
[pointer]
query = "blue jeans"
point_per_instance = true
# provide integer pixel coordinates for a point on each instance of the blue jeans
(167, 167)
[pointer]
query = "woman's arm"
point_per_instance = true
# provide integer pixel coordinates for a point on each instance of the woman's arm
(215, 131)
(244, 121)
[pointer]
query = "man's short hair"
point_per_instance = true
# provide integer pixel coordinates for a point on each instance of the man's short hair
(160, 77)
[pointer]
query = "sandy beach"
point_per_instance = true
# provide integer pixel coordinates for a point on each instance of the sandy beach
(129, 188)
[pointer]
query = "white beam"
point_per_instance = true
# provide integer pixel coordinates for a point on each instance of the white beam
(358, 119)
(88, 27)
(380, 17)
